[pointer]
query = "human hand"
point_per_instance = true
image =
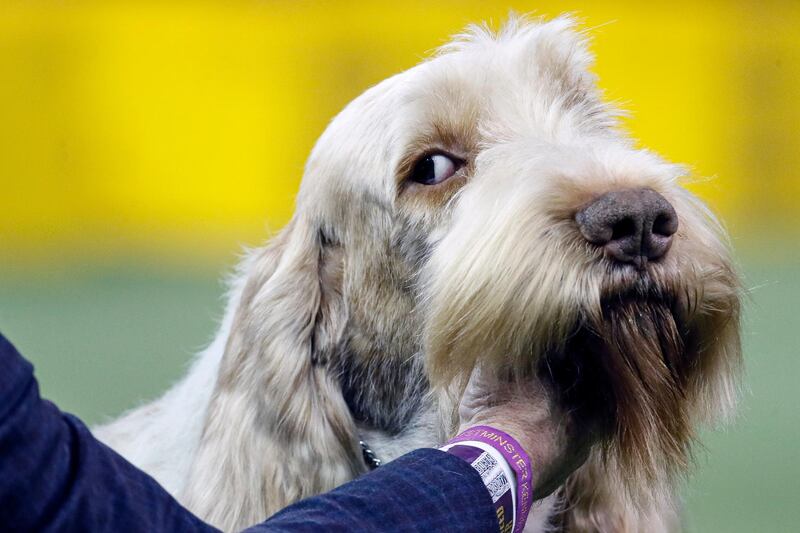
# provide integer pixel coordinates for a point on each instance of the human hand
(553, 439)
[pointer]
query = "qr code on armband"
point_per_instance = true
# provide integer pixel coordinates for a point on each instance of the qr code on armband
(498, 486)
(484, 463)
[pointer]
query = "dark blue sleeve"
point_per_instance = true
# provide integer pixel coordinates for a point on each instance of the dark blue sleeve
(426, 490)
(55, 476)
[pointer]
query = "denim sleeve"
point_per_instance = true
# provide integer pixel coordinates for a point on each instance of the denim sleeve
(426, 490)
(55, 476)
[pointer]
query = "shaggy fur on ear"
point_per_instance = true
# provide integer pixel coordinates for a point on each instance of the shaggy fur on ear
(277, 428)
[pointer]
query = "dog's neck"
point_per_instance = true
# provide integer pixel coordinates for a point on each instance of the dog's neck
(421, 431)
(378, 361)
(384, 394)
(387, 397)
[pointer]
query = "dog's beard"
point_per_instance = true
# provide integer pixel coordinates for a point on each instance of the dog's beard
(624, 372)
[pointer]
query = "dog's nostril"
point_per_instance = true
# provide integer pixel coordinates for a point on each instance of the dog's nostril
(633, 225)
(665, 224)
(622, 229)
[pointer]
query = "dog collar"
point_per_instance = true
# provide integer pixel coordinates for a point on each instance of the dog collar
(370, 458)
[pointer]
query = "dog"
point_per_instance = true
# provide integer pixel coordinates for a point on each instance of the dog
(482, 208)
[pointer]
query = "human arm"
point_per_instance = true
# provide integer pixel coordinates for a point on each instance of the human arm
(54, 476)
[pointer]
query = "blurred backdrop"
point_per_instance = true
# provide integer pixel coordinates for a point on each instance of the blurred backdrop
(144, 143)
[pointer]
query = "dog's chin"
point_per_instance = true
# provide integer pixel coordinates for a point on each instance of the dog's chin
(623, 371)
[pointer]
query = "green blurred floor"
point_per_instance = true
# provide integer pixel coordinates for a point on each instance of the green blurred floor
(105, 340)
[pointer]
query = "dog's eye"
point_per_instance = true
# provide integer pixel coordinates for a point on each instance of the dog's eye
(434, 169)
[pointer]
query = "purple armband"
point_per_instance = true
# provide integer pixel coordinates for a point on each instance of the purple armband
(517, 459)
(494, 477)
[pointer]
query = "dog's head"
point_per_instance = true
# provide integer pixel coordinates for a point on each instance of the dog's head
(483, 206)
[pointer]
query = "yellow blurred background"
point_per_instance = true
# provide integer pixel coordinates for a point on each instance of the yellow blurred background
(142, 143)
(172, 130)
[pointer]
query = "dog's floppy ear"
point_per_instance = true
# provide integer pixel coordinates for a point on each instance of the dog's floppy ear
(277, 428)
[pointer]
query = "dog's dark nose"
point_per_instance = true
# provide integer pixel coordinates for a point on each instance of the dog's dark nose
(632, 225)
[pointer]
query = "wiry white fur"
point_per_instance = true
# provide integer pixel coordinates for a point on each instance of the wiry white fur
(374, 270)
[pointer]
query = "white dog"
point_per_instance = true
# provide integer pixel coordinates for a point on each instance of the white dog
(481, 207)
